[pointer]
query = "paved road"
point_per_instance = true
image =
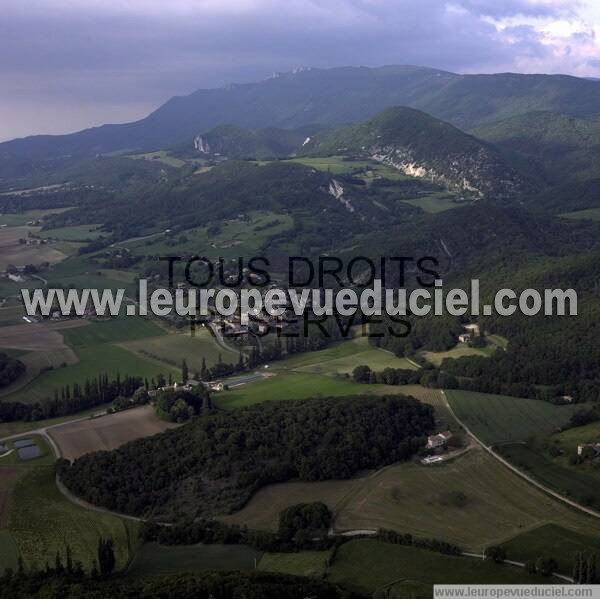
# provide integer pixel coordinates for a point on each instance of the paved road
(516, 470)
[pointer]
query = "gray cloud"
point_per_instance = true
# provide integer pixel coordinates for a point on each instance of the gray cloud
(99, 61)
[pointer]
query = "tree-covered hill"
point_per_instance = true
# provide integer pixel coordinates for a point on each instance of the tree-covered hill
(214, 464)
(423, 146)
(567, 147)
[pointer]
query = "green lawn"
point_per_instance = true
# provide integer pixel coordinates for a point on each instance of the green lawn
(154, 559)
(501, 419)
(303, 563)
(553, 541)
(42, 521)
(368, 565)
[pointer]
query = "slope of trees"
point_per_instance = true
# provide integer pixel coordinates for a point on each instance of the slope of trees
(215, 463)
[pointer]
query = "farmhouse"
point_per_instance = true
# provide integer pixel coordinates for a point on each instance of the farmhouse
(589, 449)
(439, 440)
(473, 329)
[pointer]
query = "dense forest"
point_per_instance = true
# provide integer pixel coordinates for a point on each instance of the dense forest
(215, 463)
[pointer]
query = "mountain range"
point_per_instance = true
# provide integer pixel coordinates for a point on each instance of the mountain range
(310, 96)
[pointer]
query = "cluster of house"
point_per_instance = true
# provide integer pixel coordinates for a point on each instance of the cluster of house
(259, 322)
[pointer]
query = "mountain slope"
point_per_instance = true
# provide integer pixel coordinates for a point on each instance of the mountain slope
(327, 96)
(422, 146)
(566, 146)
(236, 142)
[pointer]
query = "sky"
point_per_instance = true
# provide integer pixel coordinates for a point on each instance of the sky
(70, 64)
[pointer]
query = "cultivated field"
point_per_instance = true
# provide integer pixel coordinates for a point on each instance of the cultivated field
(107, 432)
(501, 419)
(13, 252)
(42, 521)
(367, 565)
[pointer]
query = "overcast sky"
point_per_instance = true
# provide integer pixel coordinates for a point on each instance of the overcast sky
(70, 64)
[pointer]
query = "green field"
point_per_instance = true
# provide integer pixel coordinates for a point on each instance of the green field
(569, 481)
(296, 385)
(153, 559)
(122, 328)
(471, 500)
(553, 541)
(499, 419)
(235, 237)
(42, 521)
(303, 563)
(437, 201)
(174, 348)
(11, 315)
(159, 156)
(22, 218)
(94, 360)
(75, 233)
(464, 349)
(343, 358)
(367, 565)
